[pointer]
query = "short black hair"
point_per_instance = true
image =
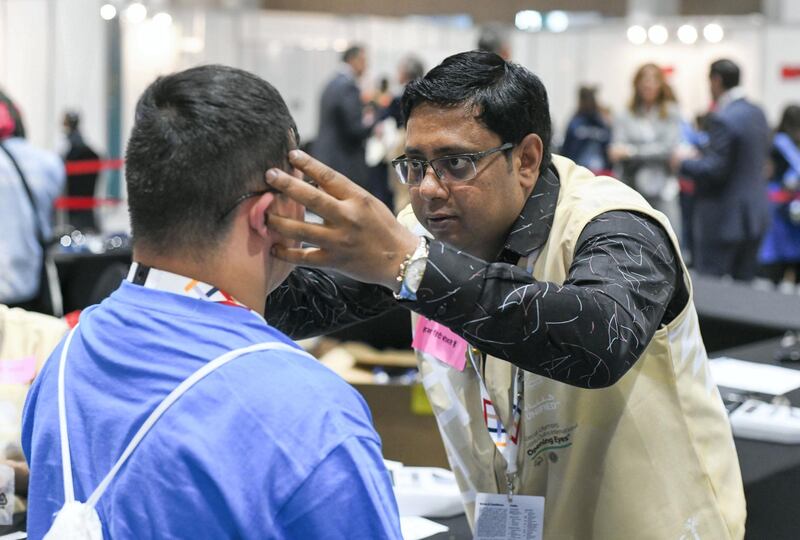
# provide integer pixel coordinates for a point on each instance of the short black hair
(201, 138)
(351, 52)
(790, 120)
(727, 71)
(510, 100)
(72, 120)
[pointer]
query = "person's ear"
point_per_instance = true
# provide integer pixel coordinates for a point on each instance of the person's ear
(530, 152)
(258, 214)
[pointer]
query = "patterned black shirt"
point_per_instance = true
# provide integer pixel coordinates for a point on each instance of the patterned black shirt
(625, 281)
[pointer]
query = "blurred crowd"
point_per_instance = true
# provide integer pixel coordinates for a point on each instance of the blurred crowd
(728, 182)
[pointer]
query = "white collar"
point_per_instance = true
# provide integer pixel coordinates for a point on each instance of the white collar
(348, 71)
(737, 92)
(162, 280)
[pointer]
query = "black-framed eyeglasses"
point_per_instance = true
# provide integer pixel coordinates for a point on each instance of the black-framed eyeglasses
(240, 200)
(453, 168)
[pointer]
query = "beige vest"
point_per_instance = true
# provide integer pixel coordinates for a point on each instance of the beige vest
(651, 457)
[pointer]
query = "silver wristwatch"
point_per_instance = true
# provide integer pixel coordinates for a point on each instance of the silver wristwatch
(413, 271)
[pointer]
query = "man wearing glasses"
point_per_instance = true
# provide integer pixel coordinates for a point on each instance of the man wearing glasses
(583, 378)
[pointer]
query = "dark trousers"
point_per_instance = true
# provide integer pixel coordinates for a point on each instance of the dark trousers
(738, 260)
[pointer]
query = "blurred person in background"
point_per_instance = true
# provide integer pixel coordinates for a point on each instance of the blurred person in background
(780, 250)
(79, 185)
(494, 38)
(343, 126)
(410, 69)
(30, 180)
(731, 209)
(645, 135)
(693, 137)
(588, 134)
(380, 140)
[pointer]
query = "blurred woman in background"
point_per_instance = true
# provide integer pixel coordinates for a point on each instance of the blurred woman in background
(588, 134)
(780, 250)
(645, 135)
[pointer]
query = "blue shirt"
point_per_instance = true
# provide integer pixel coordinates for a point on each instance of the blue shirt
(271, 445)
(21, 260)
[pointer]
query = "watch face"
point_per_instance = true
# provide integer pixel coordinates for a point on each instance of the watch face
(414, 273)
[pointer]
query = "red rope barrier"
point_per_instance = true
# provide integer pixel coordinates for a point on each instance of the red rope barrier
(83, 203)
(91, 166)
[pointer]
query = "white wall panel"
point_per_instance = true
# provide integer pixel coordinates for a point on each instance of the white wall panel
(24, 73)
(50, 62)
(782, 49)
(78, 79)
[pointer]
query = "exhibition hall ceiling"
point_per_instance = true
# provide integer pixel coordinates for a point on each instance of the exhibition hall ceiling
(482, 11)
(505, 10)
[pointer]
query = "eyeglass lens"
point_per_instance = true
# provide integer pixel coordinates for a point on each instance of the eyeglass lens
(455, 168)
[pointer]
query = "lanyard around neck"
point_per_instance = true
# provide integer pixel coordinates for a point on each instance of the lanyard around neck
(162, 280)
(506, 441)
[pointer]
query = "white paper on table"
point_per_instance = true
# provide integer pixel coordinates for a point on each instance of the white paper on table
(416, 528)
(14, 536)
(754, 377)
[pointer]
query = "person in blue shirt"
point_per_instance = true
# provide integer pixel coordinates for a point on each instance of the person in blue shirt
(21, 263)
(588, 134)
(780, 249)
(271, 444)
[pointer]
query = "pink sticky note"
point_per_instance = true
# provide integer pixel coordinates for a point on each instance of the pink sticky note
(18, 371)
(440, 342)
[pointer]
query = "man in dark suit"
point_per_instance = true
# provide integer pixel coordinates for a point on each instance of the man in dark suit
(731, 208)
(343, 131)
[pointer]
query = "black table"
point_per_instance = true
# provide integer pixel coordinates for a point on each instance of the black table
(87, 278)
(770, 472)
(734, 313)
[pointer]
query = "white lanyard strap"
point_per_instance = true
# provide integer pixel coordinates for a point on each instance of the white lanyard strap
(66, 461)
(507, 441)
(151, 420)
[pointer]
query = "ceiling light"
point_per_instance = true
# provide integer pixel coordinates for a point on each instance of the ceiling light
(108, 12)
(557, 21)
(637, 34)
(136, 13)
(163, 18)
(687, 34)
(529, 20)
(658, 34)
(713, 33)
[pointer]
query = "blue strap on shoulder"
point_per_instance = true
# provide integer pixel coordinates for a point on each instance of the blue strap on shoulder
(791, 153)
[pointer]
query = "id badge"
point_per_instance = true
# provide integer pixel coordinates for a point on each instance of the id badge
(497, 518)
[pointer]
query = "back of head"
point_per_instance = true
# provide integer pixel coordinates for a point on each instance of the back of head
(201, 138)
(72, 120)
(351, 53)
(507, 98)
(727, 71)
(587, 100)
(790, 123)
(412, 68)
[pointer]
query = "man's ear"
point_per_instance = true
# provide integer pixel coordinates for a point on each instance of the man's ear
(530, 152)
(258, 214)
